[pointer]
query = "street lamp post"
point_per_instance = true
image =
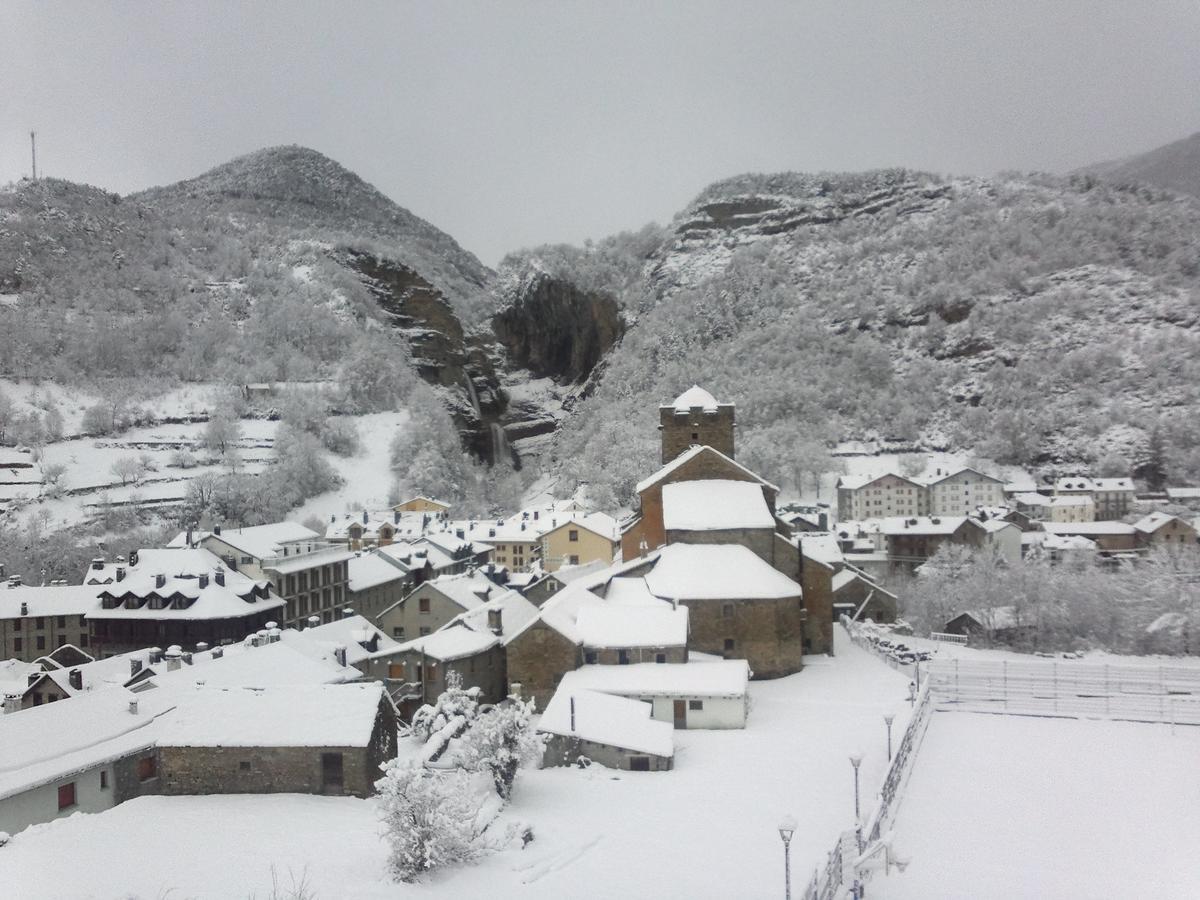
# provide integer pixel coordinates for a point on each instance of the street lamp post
(912, 693)
(856, 761)
(888, 719)
(786, 829)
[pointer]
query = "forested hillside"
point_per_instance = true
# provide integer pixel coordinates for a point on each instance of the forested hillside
(1052, 322)
(1175, 167)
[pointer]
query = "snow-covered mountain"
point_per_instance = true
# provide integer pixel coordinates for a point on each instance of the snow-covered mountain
(1173, 167)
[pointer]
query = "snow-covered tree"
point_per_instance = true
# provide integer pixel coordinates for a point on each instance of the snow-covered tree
(221, 432)
(504, 739)
(453, 702)
(429, 818)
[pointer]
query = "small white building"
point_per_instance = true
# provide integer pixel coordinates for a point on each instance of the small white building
(605, 729)
(686, 695)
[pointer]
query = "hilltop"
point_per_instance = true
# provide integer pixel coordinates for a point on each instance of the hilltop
(1172, 167)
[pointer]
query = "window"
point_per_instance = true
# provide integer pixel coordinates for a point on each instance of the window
(66, 796)
(727, 611)
(104, 779)
(246, 560)
(573, 536)
(17, 644)
(62, 640)
(147, 768)
(590, 657)
(696, 704)
(573, 560)
(398, 631)
(40, 623)
(728, 645)
(639, 764)
(83, 639)
(423, 604)
(41, 642)
(37, 698)
(660, 657)
(424, 630)
(61, 621)
(623, 657)
(244, 765)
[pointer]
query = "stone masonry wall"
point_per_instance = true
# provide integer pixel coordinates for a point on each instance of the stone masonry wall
(537, 659)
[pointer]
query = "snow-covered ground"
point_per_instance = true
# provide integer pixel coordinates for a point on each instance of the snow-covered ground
(368, 474)
(706, 829)
(1008, 806)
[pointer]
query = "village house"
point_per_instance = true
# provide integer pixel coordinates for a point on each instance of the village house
(324, 739)
(37, 620)
(363, 530)
(910, 542)
(1110, 537)
(578, 540)
(308, 573)
(1111, 497)
(608, 730)
(358, 642)
(178, 596)
(1000, 624)
(692, 695)
(473, 644)
(424, 505)
(1183, 496)
(1066, 548)
(375, 584)
(543, 587)
(866, 497)
(1162, 530)
(434, 603)
(961, 492)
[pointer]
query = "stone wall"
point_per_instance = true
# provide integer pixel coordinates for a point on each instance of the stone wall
(259, 770)
(562, 750)
(759, 540)
(683, 430)
(408, 616)
(610, 656)
(767, 633)
(816, 580)
(538, 658)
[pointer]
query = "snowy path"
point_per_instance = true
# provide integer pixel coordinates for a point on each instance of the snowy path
(1008, 806)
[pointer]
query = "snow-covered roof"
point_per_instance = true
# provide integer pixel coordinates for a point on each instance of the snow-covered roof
(1074, 483)
(690, 454)
(997, 617)
(1156, 520)
(693, 398)
(296, 716)
(951, 473)
(307, 558)
(716, 572)
(52, 600)
(1018, 484)
(713, 505)
(820, 546)
(1088, 528)
(893, 525)
(54, 740)
(440, 503)
(843, 578)
(1183, 493)
(361, 639)
(189, 589)
(596, 522)
(468, 590)
(630, 591)
(1065, 500)
(605, 719)
(1060, 542)
(471, 632)
(604, 626)
(721, 678)
(368, 570)
(854, 482)
(1113, 484)
(1031, 498)
(264, 541)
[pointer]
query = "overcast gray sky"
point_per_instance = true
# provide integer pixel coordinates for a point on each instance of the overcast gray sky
(512, 124)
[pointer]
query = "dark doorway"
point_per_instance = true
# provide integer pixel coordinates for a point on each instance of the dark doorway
(681, 714)
(332, 780)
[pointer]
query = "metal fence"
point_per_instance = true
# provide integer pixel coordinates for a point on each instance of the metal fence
(1068, 688)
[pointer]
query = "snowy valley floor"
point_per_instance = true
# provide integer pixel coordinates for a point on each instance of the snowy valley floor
(1008, 806)
(706, 829)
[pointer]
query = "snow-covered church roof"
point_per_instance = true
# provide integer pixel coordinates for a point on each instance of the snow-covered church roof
(715, 505)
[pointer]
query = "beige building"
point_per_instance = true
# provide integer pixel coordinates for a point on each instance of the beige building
(579, 540)
(1112, 498)
(1161, 530)
(962, 493)
(423, 505)
(866, 497)
(34, 621)
(433, 604)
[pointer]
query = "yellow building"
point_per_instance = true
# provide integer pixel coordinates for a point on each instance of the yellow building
(423, 505)
(580, 539)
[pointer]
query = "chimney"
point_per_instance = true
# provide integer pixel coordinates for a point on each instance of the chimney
(120, 560)
(314, 621)
(823, 522)
(495, 618)
(187, 658)
(273, 635)
(14, 581)
(24, 608)
(156, 654)
(535, 515)
(339, 654)
(97, 564)
(133, 557)
(173, 657)
(218, 652)
(75, 679)
(347, 612)
(12, 703)
(572, 715)
(366, 520)
(201, 646)
(135, 666)
(332, 518)
(271, 625)
(133, 709)
(120, 573)
(1, 571)
(160, 581)
(203, 581)
(217, 530)
(396, 517)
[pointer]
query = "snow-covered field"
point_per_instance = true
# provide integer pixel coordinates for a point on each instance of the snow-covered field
(706, 829)
(1008, 806)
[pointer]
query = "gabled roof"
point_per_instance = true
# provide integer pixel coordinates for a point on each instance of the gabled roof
(934, 479)
(714, 505)
(263, 541)
(717, 572)
(605, 719)
(932, 525)
(357, 635)
(1156, 520)
(51, 600)
(604, 626)
(598, 523)
(854, 482)
(368, 571)
(690, 454)
(470, 632)
(340, 715)
(1089, 528)
(719, 678)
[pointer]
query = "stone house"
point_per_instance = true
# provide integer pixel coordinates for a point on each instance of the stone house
(578, 540)
(604, 729)
(546, 586)
(35, 621)
(374, 584)
(1110, 537)
(740, 607)
(909, 542)
(433, 604)
(1162, 530)
(865, 597)
(323, 739)
(719, 511)
(358, 532)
